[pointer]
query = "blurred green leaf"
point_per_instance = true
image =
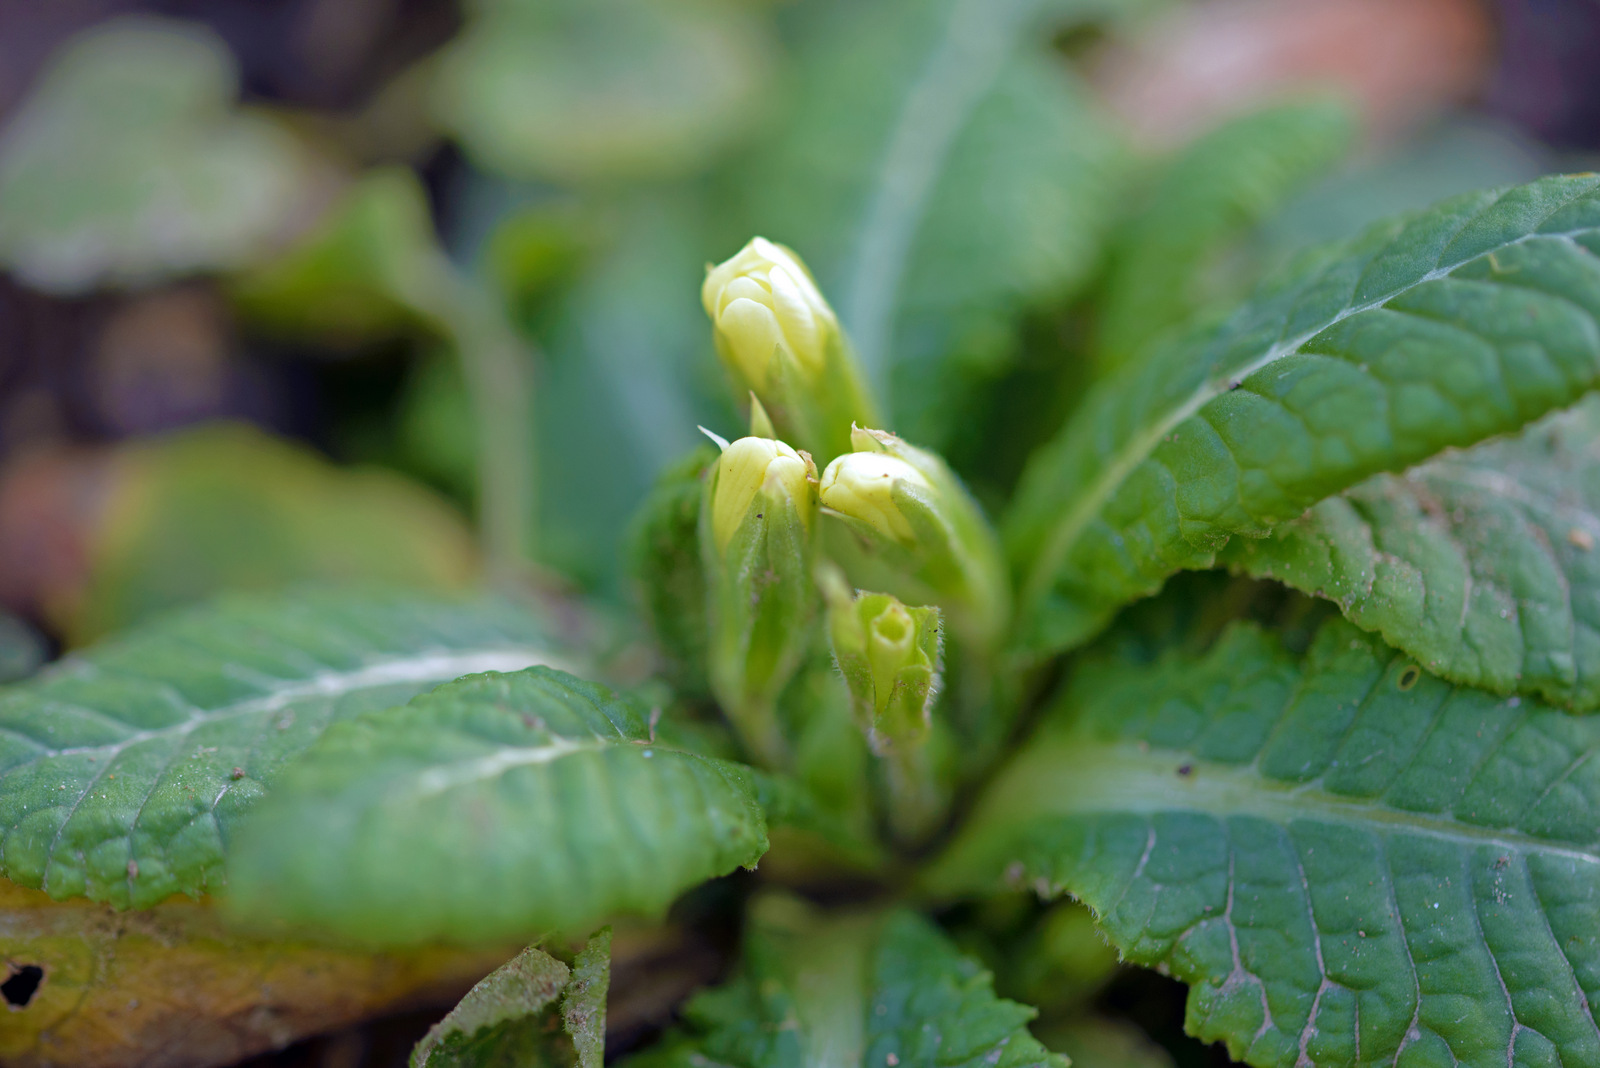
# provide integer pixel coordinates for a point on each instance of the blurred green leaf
(503, 805)
(628, 374)
(354, 277)
(129, 165)
(578, 90)
(1094, 1042)
(22, 649)
(227, 507)
(940, 169)
(372, 267)
(1231, 179)
(124, 769)
(1060, 961)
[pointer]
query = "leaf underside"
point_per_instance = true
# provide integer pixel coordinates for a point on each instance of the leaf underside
(870, 990)
(1350, 862)
(124, 769)
(1483, 564)
(1439, 329)
(499, 806)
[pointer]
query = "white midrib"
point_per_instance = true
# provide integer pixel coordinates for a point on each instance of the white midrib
(1080, 776)
(440, 666)
(437, 780)
(1123, 462)
(955, 76)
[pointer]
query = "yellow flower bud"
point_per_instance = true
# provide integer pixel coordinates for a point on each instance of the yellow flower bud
(891, 645)
(752, 466)
(763, 302)
(861, 485)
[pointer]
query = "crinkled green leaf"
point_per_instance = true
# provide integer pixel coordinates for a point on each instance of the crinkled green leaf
(501, 805)
(852, 989)
(1483, 564)
(128, 165)
(939, 168)
(532, 1010)
(1231, 179)
(124, 769)
(1350, 861)
(582, 89)
(1438, 329)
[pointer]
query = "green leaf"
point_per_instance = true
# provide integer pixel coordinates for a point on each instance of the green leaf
(124, 769)
(852, 989)
(577, 90)
(668, 574)
(626, 379)
(1482, 564)
(1350, 861)
(128, 165)
(225, 507)
(1435, 330)
(503, 1020)
(22, 649)
(1093, 1042)
(359, 275)
(583, 1003)
(499, 806)
(510, 1019)
(1229, 181)
(939, 168)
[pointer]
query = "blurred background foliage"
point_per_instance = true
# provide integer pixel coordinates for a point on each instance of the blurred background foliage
(406, 290)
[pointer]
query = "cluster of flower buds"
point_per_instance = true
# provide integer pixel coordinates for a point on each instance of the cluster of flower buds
(756, 531)
(897, 520)
(781, 341)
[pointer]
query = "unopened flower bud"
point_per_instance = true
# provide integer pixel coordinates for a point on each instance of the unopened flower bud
(918, 532)
(862, 485)
(758, 466)
(889, 654)
(765, 307)
(756, 525)
(780, 340)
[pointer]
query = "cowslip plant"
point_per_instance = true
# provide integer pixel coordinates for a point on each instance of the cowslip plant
(1347, 793)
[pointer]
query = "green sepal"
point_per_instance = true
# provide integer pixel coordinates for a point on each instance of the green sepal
(761, 604)
(817, 415)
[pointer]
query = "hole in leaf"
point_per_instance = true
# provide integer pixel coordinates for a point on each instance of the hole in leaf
(21, 985)
(1409, 677)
